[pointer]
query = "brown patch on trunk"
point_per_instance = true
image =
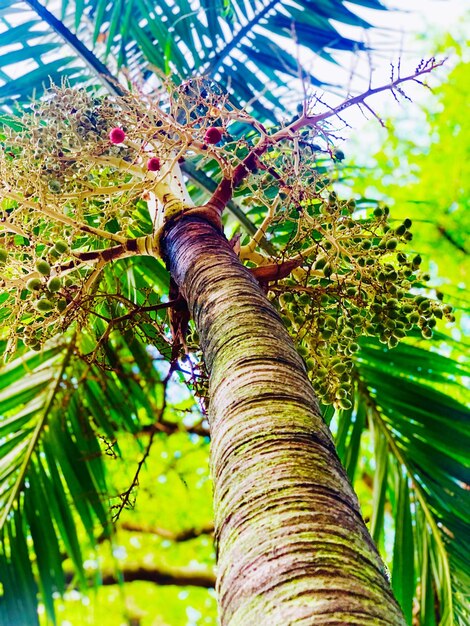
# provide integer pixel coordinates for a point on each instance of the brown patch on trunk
(265, 274)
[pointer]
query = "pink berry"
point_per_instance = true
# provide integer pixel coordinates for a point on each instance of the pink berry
(153, 164)
(117, 135)
(213, 135)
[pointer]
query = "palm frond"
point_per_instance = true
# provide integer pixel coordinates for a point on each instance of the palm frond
(246, 46)
(41, 471)
(59, 414)
(414, 401)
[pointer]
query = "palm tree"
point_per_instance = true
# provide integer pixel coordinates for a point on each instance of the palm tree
(41, 461)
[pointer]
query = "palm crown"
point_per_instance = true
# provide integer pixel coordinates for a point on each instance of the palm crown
(408, 403)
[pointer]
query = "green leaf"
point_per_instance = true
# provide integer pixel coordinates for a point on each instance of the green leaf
(379, 485)
(427, 433)
(403, 576)
(354, 443)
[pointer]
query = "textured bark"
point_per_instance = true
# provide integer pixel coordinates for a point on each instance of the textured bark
(293, 548)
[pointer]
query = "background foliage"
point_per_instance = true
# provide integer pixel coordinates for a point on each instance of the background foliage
(73, 435)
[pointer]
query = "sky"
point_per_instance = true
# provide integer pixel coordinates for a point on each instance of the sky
(408, 32)
(398, 31)
(405, 32)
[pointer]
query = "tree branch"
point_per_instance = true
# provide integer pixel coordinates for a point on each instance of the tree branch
(182, 535)
(224, 191)
(170, 428)
(180, 576)
(313, 120)
(445, 233)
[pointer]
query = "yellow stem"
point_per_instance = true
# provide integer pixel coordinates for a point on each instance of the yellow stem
(120, 164)
(101, 191)
(255, 257)
(64, 219)
(260, 233)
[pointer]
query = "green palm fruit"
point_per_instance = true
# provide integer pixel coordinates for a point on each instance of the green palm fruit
(327, 270)
(345, 404)
(401, 257)
(330, 322)
(339, 368)
(44, 305)
(43, 267)
(62, 305)
(61, 246)
(286, 321)
(33, 284)
(320, 263)
(54, 186)
(54, 284)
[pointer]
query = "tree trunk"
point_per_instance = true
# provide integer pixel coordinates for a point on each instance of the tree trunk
(292, 545)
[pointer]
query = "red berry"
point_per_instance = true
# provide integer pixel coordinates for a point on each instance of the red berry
(117, 135)
(213, 135)
(153, 164)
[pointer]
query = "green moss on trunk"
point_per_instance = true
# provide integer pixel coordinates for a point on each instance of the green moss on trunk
(293, 548)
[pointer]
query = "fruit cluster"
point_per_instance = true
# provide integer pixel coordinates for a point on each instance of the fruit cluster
(354, 282)
(76, 178)
(49, 292)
